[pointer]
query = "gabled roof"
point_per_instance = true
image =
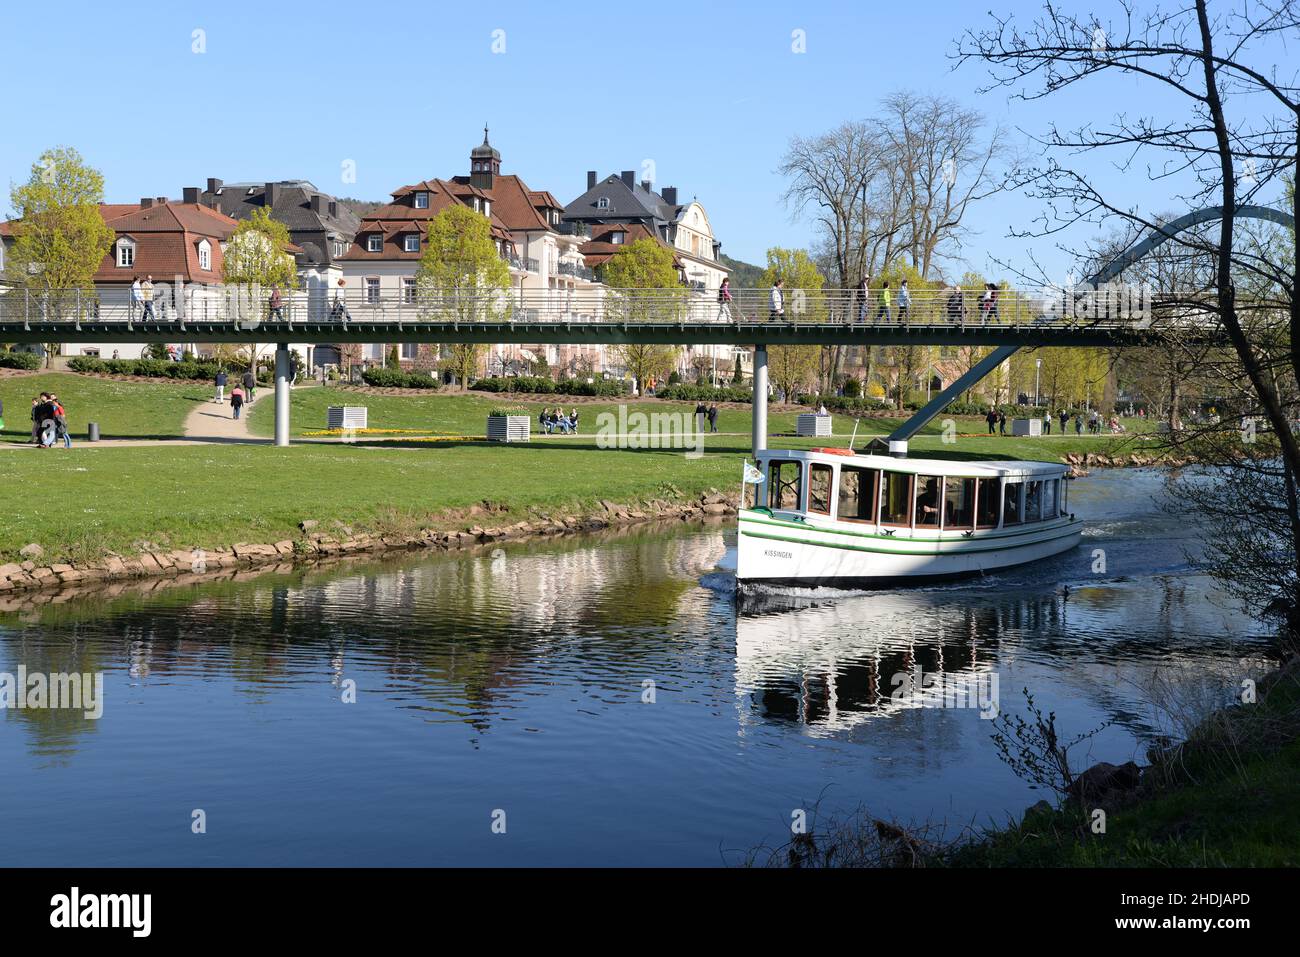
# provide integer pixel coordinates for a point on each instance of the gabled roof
(292, 206)
(598, 249)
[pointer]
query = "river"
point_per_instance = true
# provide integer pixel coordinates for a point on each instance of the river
(595, 701)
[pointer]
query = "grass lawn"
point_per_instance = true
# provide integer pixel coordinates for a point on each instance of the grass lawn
(124, 410)
(95, 499)
(449, 413)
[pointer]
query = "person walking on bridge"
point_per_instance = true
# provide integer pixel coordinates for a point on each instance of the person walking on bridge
(137, 298)
(904, 301)
(146, 293)
(864, 298)
(777, 302)
(884, 303)
(276, 305)
(724, 301)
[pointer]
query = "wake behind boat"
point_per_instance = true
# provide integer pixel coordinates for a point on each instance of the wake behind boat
(832, 517)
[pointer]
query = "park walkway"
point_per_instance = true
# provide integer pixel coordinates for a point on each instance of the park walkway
(213, 422)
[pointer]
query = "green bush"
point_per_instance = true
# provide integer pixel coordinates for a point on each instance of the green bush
(385, 378)
(537, 385)
(704, 393)
(19, 360)
(852, 388)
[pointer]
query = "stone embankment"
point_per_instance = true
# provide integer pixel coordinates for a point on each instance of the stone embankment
(334, 539)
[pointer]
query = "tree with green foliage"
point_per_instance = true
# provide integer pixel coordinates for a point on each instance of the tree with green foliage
(644, 286)
(256, 261)
(60, 237)
(794, 368)
(462, 278)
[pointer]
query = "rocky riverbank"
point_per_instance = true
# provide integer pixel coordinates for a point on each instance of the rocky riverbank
(481, 524)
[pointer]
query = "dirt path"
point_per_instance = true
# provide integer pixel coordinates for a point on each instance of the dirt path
(213, 422)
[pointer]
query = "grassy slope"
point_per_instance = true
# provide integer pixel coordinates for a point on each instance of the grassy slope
(1240, 812)
(122, 409)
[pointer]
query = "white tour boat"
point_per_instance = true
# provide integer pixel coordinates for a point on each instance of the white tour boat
(832, 517)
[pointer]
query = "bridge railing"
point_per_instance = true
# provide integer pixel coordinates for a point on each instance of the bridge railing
(963, 308)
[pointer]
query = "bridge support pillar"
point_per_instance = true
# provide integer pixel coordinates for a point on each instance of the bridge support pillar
(282, 394)
(760, 399)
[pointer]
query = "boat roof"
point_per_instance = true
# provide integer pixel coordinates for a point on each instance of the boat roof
(988, 468)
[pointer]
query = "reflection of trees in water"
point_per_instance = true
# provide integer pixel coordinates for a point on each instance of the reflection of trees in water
(448, 634)
(54, 732)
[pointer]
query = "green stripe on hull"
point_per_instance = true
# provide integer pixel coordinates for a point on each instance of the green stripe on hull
(933, 552)
(989, 535)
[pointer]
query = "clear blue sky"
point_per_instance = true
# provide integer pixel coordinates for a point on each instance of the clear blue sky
(709, 92)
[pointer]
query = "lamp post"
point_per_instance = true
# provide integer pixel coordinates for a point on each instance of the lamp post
(1038, 369)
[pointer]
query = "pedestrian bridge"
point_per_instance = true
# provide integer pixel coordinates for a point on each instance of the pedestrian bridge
(1082, 316)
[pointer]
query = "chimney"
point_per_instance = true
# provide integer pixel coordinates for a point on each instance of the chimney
(213, 185)
(591, 179)
(146, 202)
(269, 195)
(646, 185)
(670, 195)
(334, 208)
(161, 201)
(315, 203)
(629, 178)
(190, 194)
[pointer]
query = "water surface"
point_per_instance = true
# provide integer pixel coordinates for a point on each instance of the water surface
(518, 680)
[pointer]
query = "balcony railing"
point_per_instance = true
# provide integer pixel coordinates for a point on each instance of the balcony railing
(577, 270)
(523, 263)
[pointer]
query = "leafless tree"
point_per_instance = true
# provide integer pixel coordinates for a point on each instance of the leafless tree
(1223, 129)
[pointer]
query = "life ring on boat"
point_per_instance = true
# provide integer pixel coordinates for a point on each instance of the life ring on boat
(835, 451)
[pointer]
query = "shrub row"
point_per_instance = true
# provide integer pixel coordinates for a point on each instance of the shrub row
(386, 378)
(540, 385)
(152, 368)
(19, 360)
(704, 393)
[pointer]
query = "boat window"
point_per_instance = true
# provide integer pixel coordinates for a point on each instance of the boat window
(959, 503)
(754, 494)
(784, 478)
(1033, 501)
(819, 488)
(857, 494)
(1065, 496)
(1049, 498)
(1011, 513)
(927, 500)
(986, 507)
(895, 498)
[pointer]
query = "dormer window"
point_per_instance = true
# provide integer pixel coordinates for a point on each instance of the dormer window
(616, 238)
(487, 207)
(374, 244)
(125, 253)
(421, 200)
(602, 203)
(205, 256)
(411, 242)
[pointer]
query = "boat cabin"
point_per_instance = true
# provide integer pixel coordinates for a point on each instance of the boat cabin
(894, 494)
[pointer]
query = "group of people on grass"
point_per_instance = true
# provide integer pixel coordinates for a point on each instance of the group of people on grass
(708, 412)
(554, 420)
(49, 422)
(997, 422)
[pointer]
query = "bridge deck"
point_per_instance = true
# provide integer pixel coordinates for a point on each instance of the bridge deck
(1032, 333)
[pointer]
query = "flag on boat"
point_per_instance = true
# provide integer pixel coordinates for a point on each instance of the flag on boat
(752, 475)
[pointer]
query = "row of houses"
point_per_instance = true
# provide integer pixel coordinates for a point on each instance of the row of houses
(555, 252)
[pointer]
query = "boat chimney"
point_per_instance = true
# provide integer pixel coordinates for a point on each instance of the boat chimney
(898, 448)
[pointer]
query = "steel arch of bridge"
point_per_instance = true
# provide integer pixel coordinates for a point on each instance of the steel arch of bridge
(1144, 247)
